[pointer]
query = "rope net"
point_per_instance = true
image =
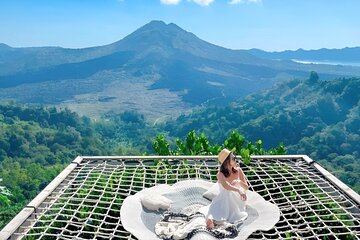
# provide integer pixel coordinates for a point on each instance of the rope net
(86, 205)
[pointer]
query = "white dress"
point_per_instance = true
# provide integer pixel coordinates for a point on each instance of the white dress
(227, 206)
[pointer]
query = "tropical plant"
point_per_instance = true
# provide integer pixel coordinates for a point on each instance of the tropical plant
(200, 145)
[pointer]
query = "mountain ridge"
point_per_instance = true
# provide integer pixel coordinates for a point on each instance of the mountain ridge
(162, 57)
(178, 39)
(346, 54)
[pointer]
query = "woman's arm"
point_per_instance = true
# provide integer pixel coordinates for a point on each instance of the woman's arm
(225, 184)
(243, 179)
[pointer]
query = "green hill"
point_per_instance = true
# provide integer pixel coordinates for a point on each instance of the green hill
(35, 145)
(317, 118)
(313, 117)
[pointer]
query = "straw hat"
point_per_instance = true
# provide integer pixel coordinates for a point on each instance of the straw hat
(223, 155)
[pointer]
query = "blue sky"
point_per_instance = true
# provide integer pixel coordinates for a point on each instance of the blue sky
(271, 25)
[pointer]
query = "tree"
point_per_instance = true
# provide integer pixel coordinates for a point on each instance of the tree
(161, 146)
(4, 193)
(314, 77)
(195, 145)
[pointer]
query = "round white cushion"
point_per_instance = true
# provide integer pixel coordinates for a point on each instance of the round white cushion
(155, 202)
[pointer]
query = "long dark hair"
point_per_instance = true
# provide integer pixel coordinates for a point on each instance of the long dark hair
(224, 168)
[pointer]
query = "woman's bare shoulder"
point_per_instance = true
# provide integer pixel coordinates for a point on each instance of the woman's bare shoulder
(220, 175)
(240, 171)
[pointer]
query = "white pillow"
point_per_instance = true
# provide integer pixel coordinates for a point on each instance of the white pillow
(155, 202)
(212, 192)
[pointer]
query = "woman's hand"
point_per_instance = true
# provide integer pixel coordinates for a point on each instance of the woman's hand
(243, 196)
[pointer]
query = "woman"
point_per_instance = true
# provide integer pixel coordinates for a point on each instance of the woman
(229, 205)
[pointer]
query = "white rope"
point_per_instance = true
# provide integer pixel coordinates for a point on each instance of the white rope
(87, 204)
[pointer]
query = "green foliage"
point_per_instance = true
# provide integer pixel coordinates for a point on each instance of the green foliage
(314, 77)
(127, 132)
(200, 145)
(317, 118)
(245, 155)
(132, 117)
(161, 146)
(36, 143)
(280, 150)
(195, 145)
(234, 142)
(4, 193)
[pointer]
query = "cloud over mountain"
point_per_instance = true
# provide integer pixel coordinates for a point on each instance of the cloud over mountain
(208, 2)
(245, 1)
(170, 2)
(176, 2)
(203, 2)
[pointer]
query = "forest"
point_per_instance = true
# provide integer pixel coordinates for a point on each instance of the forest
(317, 118)
(37, 143)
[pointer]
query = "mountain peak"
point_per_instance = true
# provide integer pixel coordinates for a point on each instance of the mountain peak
(157, 25)
(159, 38)
(156, 34)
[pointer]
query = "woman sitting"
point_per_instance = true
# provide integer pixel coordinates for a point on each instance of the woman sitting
(229, 204)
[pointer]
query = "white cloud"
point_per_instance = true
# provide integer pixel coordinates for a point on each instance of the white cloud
(170, 2)
(245, 1)
(207, 2)
(203, 2)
